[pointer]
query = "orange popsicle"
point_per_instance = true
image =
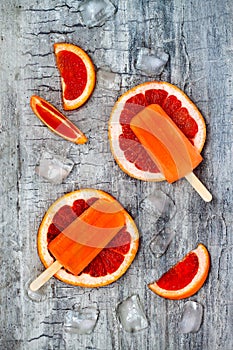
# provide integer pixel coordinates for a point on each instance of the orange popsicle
(168, 147)
(78, 244)
(86, 236)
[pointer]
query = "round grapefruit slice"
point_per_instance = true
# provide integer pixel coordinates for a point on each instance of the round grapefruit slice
(186, 277)
(56, 121)
(125, 146)
(111, 263)
(77, 74)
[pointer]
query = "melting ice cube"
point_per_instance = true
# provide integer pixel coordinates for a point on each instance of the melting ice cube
(54, 168)
(160, 242)
(191, 317)
(158, 206)
(151, 62)
(82, 320)
(95, 12)
(39, 295)
(131, 314)
(108, 80)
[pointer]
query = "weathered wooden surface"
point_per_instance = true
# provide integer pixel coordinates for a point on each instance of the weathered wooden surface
(198, 37)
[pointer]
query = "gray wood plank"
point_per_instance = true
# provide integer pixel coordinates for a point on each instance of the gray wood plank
(198, 37)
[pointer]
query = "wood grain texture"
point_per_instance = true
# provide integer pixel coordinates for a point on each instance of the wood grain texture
(198, 37)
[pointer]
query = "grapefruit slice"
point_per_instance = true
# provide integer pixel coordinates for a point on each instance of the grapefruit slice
(111, 263)
(125, 146)
(77, 74)
(56, 121)
(186, 277)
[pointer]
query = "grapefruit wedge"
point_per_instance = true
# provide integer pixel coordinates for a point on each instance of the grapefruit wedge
(56, 121)
(186, 277)
(125, 146)
(77, 74)
(111, 263)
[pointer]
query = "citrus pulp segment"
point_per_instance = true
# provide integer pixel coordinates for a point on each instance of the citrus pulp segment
(186, 277)
(77, 74)
(56, 121)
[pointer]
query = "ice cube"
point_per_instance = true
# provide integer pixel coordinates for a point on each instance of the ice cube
(81, 320)
(95, 12)
(159, 206)
(191, 317)
(108, 80)
(150, 61)
(37, 296)
(131, 314)
(161, 241)
(53, 167)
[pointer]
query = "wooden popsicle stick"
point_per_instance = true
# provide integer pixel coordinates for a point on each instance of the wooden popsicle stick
(199, 187)
(45, 276)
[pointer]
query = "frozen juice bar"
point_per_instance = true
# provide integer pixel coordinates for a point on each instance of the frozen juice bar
(77, 245)
(167, 146)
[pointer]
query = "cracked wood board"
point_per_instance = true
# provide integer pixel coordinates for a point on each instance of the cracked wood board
(198, 38)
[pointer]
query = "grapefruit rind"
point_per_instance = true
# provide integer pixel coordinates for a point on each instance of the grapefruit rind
(84, 280)
(115, 128)
(91, 76)
(196, 283)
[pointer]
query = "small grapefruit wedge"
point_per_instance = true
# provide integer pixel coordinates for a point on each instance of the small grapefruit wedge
(56, 121)
(77, 74)
(186, 277)
(111, 263)
(125, 146)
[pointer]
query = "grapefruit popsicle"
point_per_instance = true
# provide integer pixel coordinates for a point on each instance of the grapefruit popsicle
(78, 244)
(168, 147)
